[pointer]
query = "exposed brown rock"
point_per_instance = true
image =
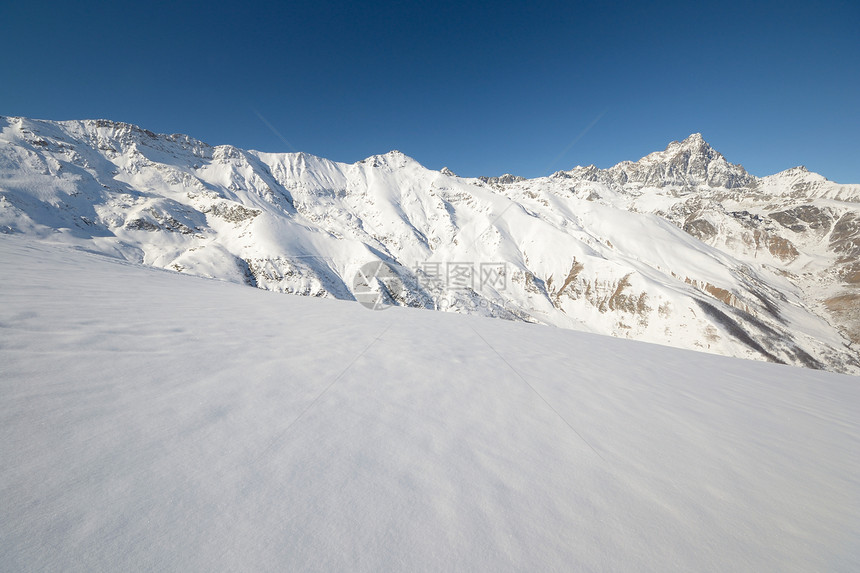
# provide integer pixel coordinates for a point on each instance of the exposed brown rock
(804, 217)
(846, 309)
(718, 293)
(575, 269)
(606, 296)
(232, 212)
(779, 247)
(852, 277)
(700, 228)
(845, 237)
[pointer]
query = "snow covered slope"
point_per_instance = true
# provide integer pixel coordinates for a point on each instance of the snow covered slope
(160, 422)
(680, 248)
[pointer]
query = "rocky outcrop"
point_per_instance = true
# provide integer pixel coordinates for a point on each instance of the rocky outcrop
(688, 163)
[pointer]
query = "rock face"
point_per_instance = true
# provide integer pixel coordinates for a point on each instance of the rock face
(690, 163)
(680, 248)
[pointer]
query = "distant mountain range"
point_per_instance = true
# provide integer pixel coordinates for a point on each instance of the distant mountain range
(680, 248)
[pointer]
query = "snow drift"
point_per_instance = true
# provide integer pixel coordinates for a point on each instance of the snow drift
(154, 421)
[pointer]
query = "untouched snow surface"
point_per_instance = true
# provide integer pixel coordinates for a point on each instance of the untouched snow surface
(154, 421)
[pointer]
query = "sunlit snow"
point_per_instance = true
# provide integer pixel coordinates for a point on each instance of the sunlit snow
(155, 421)
(680, 248)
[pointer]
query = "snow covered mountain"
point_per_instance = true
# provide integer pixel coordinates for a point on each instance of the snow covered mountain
(680, 248)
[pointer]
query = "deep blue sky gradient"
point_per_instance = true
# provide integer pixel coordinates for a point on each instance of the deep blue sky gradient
(482, 87)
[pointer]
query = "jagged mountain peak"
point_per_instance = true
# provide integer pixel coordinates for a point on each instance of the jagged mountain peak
(505, 179)
(799, 177)
(694, 143)
(686, 163)
(393, 159)
(694, 140)
(693, 148)
(799, 170)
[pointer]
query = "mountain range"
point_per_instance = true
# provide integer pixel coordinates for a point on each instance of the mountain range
(681, 247)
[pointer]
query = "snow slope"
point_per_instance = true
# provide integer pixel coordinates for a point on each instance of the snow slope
(155, 421)
(680, 248)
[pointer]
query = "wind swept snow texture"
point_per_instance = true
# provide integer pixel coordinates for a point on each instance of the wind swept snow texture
(160, 422)
(680, 248)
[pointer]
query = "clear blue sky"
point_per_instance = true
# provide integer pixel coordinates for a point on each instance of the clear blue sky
(482, 87)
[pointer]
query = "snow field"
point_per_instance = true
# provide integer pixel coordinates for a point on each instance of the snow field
(154, 421)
